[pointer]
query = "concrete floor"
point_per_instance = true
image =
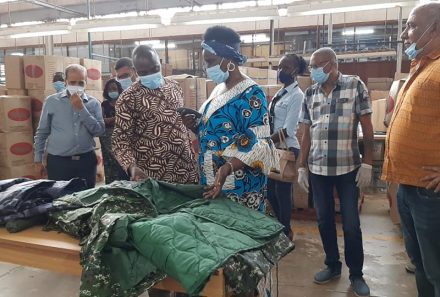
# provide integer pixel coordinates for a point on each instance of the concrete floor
(384, 264)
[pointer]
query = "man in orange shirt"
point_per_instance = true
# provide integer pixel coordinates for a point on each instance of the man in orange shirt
(413, 148)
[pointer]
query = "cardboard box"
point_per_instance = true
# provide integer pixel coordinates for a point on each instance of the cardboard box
(37, 100)
(17, 92)
(379, 107)
(3, 90)
(15, 114)
(39, 71)
(96, 94)
(379, 83)
(392, 100)
(14, 70)
(300, 197)
(210, 86)
(304, 82)
(270, 91)
(376, 95)
(70, 60)
(194, 90)
(378, 150)
(94, 80)
(16, 148)
(26, 170)
(167, 69)
(261, 76)
(392, 198)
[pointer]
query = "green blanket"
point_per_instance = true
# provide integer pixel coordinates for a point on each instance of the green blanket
(135, 234)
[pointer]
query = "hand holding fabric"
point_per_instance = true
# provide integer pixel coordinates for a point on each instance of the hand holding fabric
(214, 191)
(363, 177)
(303, 178)
(136, 174)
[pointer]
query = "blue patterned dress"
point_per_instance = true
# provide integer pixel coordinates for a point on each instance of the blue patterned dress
(235, 123)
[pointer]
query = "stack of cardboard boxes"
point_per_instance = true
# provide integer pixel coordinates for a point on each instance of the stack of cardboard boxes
(32, 75)
(94, 89)
(261, 76)
(16, 138)
(194, 89)
(383, 94)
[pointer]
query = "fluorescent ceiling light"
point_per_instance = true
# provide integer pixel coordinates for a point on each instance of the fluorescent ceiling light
(264, 2)
(240, 4)
(167, 14)
(275, 2)
(38, 34)
(358, 32)
(282, 12)
(122, 28)
(17, 54)
(7, 1)
(352, 8)
(2, 26)
(254, 38)
(162, 45)
(148, 42)
(32, 23)
(208, 7)
(117, 15)
(222, 21)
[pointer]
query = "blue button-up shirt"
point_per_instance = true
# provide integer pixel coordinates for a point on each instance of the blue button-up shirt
(287, 111)
(68, 132)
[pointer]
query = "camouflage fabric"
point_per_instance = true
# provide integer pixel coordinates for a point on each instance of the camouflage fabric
(113, 265)
(245, 271)
(112, 170)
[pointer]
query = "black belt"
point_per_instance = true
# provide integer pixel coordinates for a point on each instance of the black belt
(76, 157)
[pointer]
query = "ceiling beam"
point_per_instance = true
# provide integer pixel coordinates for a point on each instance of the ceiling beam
(56, 7)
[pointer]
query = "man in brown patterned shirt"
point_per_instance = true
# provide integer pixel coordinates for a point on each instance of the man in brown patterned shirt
(149, 138)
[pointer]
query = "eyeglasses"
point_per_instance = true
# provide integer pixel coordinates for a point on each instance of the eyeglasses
(316, 66)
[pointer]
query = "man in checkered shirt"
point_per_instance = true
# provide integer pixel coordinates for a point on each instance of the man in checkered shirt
(332, 111)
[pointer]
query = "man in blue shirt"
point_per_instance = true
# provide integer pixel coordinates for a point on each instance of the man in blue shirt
(69, 121)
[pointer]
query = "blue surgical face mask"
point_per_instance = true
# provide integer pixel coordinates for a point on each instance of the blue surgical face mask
(319, 75)
(152, 81)
(113, 95)
(411, 51)
(125, 82)
(217, 74)
(58, 86)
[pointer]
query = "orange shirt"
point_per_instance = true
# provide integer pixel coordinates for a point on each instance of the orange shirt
(413, 139)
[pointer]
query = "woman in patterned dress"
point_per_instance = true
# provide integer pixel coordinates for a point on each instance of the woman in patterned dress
(113, 171)
(236, 151)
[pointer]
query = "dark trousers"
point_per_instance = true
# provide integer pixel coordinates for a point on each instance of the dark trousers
(419, 210)
(65, 168)
(280, 198)
(325, 208)
(279, 195)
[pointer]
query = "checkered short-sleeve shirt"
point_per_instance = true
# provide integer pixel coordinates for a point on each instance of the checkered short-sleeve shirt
(334, 121)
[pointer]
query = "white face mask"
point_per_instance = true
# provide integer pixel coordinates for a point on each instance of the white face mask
(75, 90)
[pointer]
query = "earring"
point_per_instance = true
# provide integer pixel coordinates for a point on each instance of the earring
(229, 66)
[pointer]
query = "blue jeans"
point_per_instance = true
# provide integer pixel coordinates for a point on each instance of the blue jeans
(279, 195)
(419, 210)
(322, 187)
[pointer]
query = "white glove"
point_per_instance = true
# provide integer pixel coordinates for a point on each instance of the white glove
(303, 178)
(363, 177)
